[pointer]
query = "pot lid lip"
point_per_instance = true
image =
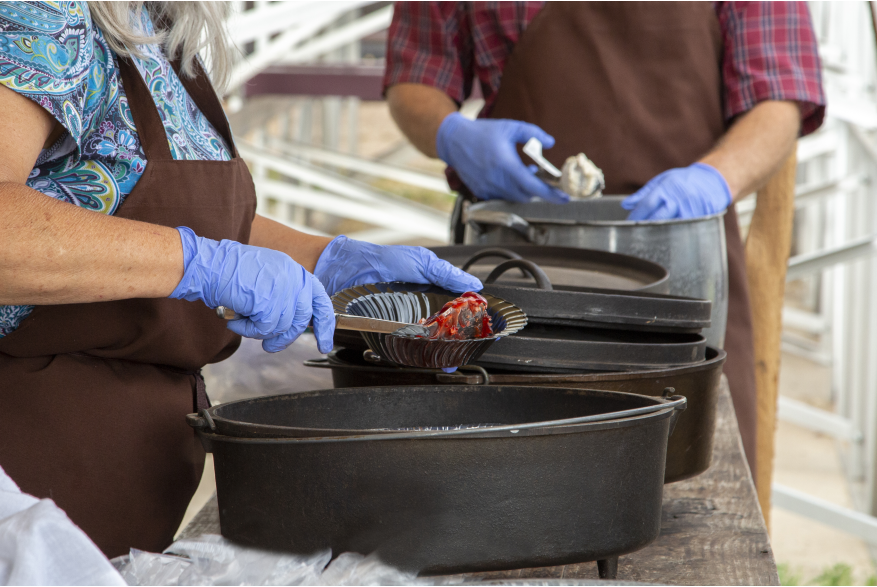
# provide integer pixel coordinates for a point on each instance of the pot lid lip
(414, 388)
(471, 434)
(708, 363)
(603, 292)
(533, 352)
(646, 276)
(512, 431)
(515, 208)
(594, 306)
(657, 404)
(696, 338)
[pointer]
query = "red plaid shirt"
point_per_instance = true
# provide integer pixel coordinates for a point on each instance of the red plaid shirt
(770, 51)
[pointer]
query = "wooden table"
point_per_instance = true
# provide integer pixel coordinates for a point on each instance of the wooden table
(712, 532)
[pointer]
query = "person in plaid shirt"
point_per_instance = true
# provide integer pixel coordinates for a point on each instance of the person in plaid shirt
(685, 106)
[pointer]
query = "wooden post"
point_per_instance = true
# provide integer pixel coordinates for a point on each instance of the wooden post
(767, 255)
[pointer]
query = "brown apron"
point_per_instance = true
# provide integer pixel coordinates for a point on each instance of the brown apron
(93, 397)
(636, 86)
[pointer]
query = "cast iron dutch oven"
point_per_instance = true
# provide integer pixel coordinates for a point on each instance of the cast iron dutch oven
(556, 348)
(564, 266)
(572, 345)
(691, 250)
(548, 302)
(689, 452)
(444, 479)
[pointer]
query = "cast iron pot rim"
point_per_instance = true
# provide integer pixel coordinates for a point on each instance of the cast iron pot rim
(210, 413)
(572, 223)
(492, 433)
(705, 365)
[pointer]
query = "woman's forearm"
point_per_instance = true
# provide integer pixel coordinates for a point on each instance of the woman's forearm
(305, 249)
(756, 145)
(54, 253)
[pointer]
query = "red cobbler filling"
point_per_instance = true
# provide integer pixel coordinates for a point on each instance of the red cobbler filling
(462, 318)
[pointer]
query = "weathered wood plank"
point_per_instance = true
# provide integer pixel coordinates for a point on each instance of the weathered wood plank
(712, 531)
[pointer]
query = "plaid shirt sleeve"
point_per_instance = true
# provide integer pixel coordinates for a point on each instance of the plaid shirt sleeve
(771, 53)
(429, 43)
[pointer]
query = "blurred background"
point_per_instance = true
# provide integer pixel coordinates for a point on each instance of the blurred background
(305, 106)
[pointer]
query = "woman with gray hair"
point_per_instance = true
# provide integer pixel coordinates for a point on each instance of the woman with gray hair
(107, 285)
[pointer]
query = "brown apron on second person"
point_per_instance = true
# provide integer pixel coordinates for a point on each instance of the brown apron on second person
(636, 86)
(93, 397)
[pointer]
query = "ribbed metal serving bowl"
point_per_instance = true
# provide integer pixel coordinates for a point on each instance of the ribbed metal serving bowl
(410, 302)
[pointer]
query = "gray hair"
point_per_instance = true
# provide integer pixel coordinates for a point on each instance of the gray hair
(182, 28)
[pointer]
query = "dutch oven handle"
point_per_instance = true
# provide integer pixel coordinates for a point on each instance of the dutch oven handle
(489, 252)
(532, 268)
(318, 363)
(202, 422)
(670, 395)
(477, 217)
(480, 376)
(372, 357)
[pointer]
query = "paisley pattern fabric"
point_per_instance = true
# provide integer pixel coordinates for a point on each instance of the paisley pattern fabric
(51, 53)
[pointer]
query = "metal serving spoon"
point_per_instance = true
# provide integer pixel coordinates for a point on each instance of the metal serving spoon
(359, 323)
(533, 148)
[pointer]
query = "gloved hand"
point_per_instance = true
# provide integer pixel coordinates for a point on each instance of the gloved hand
(686, 192)
(346, 262)
(484, 154)
(277, 295)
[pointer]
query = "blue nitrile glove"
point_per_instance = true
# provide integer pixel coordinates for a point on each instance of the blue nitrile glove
(686, 192)
(484, 154)
(346, 262)
(278, 296)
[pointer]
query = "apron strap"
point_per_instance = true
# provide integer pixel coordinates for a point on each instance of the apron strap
(200, 401)
(150, 128)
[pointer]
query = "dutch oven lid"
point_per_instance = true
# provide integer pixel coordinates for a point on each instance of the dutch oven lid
(565, 266)
(527, 284)
(559, 348)
(573, 272)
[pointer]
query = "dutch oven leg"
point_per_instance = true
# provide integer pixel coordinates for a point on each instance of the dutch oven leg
(608, 568)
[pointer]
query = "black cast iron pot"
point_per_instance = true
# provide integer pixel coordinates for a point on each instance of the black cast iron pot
(690, 450)
(546, 484)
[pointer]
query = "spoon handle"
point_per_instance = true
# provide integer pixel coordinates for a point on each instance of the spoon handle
(342, 322)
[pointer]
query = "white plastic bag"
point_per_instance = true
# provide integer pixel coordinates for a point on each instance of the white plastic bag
(351, 568)
(213, 560)
(39, 545)
(210, 560)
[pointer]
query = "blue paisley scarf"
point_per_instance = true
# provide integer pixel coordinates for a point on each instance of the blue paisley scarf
(51, 53)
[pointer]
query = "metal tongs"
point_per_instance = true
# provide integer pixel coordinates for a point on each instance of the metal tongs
(358, 323)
